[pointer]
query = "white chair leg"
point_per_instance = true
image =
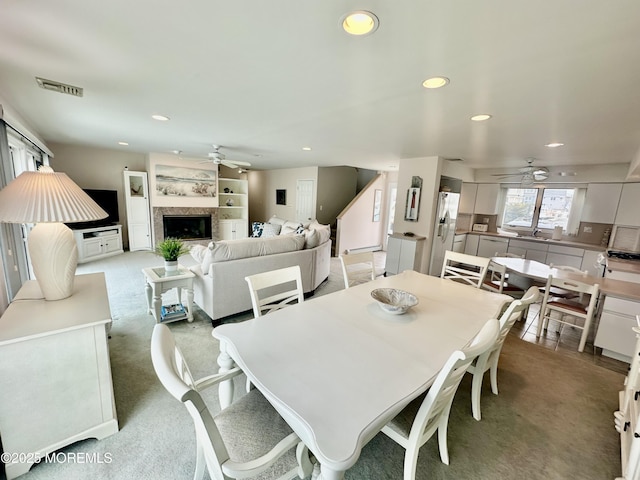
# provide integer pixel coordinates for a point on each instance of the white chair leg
(200, 463)
(316, 471)
(442, 438)
(411, 462)
(476, 388)
(305, 466)
(493, 371)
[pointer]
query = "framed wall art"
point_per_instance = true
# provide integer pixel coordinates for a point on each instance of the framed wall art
(413, 200)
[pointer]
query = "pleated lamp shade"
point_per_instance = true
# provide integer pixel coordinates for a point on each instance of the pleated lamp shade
(48, 198)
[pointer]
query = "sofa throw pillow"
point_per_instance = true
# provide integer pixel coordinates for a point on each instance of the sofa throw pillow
(207, 260)
(289, 227)
(270, 230)
(300, 230)
(197, 251)
(317, 234)
(256, 229)
(276, 221)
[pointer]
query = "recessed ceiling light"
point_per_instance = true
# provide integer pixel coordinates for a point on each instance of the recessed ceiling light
(161, 118)
(360, 23)
(306, 149)
(124, 144)
(435, 82)
(481, 117)
(177, 152)
(554, 144)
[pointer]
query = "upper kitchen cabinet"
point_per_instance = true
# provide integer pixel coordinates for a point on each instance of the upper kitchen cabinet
(601, 202)
(487, 198)
(628, 208)
(467, 197)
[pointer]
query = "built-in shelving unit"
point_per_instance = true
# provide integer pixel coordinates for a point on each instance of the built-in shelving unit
(233, 215)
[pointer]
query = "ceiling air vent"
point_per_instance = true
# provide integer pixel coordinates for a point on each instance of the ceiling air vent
(59, 87)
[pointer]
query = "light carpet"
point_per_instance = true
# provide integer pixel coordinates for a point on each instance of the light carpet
(552, 419)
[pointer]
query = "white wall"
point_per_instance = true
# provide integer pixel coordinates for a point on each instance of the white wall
(357, 228)
(336, 188)
(262, 192)
(98, 168)
(430, 170)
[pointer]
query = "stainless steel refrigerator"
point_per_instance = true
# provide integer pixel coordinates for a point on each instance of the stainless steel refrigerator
(445, 229)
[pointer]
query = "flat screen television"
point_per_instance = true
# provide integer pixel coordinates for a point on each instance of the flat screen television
(108, 200)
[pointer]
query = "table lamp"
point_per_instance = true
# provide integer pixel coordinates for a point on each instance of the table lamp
(48, 198)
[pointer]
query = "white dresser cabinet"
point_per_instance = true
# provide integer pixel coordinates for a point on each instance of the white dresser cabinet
(403, 253)
(55, 374)
(98, 242)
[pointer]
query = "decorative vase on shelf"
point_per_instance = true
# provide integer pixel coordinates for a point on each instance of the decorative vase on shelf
(229, 202)
(171, 265)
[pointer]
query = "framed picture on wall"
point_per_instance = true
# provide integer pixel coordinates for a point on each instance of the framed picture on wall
(413, 200)
(281, 197)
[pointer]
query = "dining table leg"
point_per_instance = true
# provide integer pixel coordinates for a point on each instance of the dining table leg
(225, 390)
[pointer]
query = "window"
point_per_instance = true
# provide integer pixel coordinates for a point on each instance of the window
(538, 207)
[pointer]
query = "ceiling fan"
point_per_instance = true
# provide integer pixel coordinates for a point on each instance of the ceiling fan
(219, 158)
(529, 173)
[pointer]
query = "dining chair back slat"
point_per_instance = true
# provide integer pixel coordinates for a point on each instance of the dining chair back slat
(464, 268)
(563, 307)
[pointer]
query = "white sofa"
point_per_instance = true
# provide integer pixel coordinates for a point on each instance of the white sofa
(219, 286)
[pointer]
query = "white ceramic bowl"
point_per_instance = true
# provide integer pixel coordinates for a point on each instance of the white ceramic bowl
(394, 301)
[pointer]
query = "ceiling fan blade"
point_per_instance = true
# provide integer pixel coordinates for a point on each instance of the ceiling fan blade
(235, 163)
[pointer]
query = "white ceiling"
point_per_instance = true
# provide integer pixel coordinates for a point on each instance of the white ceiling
(267, 78)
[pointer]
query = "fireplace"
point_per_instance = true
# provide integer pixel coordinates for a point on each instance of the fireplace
(187, 227)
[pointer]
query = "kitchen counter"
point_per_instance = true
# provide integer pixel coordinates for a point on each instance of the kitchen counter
(620, 265)
(564, 242)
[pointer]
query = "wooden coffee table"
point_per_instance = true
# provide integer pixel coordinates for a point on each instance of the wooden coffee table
(159, 281)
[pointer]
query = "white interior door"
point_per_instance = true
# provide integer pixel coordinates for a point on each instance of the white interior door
(304, 201)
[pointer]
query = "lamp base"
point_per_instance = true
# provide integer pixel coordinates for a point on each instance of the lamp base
(54, 257)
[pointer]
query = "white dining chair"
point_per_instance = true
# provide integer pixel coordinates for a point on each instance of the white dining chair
(572, 308)
(489, 360)
(464, 268)
(276, 289)
(246, 439)
(560, 292)
(357, 268)
(421, 418)
(497, 280)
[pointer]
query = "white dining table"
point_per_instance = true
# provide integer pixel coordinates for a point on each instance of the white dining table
(338, 368)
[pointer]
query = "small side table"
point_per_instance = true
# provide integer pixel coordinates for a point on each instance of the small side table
(159, 281)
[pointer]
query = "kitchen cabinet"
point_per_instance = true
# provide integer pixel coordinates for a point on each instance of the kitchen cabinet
(488, 246)
(531, 250)
(467, 197)
(459, 243)
(628, 207)
(616, 321)
(233, 229)
(564, 256)
(601, 202)
(487, 198)
(404, 253)
(471, 245)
